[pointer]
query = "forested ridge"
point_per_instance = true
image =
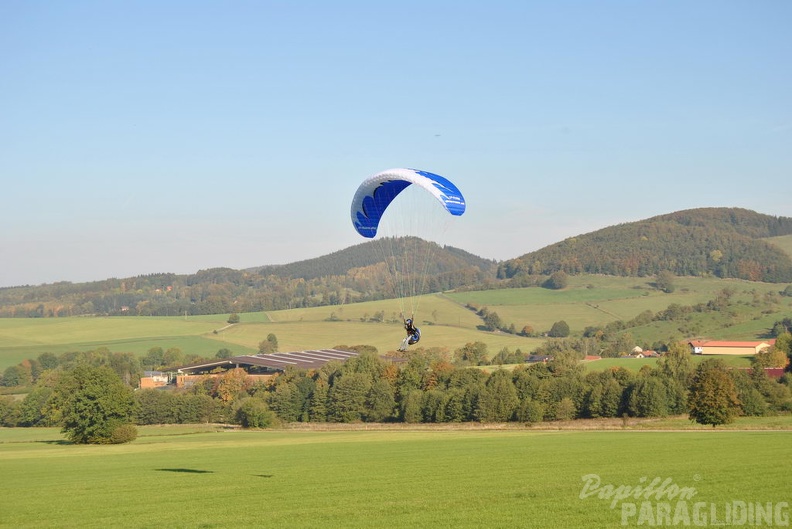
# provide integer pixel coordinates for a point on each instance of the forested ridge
(368, 254)
(355, 274)
(719, 242)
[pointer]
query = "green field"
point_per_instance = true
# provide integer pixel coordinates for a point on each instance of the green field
(635, 364)
(22, 338)
(445, 320)
(446, 324)
(597, 300)
(784, 242)
(193, 477)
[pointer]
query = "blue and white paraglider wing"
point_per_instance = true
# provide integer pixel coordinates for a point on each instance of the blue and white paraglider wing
(377, 192)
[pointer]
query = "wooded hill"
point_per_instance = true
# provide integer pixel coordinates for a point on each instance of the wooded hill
(355, 274)
(444, 260)
(716, 242)
(719, 242)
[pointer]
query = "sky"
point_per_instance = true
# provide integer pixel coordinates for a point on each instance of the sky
(174, 136)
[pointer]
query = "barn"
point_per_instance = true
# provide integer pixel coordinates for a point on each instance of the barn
(260, 366)
(716, 347)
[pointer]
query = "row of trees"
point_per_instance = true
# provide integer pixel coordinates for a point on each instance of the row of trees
(94, 404)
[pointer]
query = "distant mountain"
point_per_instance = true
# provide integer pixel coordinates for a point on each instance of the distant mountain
(722, 242)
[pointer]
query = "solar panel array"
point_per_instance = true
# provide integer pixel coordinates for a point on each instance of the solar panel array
(311, 359)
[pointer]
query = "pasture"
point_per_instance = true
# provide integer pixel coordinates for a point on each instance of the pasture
(443, 318)
(591, 300)
(206, 477)
(446, 324)
(784, 242)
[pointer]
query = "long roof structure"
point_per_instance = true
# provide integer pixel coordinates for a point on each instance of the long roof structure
(312, 359)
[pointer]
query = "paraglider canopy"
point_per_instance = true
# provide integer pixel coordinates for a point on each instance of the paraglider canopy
(377, 192)
(406, 212)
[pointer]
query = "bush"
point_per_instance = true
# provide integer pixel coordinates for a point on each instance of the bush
(560, 329)
(558, 281)
(254, 413)
(125, 433)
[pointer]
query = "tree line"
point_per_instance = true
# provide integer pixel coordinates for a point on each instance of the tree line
(90, 399)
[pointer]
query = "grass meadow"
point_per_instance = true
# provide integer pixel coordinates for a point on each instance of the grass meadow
(784, 242)
(206, 477)
(368, 476)
(444, 319)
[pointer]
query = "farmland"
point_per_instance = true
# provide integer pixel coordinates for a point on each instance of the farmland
(445, 319)
(207, 477)
(374, 475)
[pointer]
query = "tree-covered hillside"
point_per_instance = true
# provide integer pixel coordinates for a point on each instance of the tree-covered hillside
(444, 259)
(722, 242)
(355, 274)
(716, 242)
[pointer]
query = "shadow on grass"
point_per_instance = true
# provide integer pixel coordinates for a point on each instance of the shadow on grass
(262, 475)
(185, 470)
(56, 442)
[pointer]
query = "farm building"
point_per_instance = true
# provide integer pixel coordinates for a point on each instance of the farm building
(533, 359)
(772, 372)
(715, 347)
(153, 379)
(261, 366)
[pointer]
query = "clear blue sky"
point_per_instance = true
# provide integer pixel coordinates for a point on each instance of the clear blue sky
(157, 136)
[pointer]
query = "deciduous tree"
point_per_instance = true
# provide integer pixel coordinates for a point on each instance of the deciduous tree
(713, 395)
(665, 281)
(94, 402)
(254, 413)
(560, 329)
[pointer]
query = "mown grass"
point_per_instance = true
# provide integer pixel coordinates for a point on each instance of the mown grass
(350, 479)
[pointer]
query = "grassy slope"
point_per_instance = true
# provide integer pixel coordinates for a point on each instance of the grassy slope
(784, 242)
(28, 338)
(394, 478)
(589, 300)
(597, 300)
